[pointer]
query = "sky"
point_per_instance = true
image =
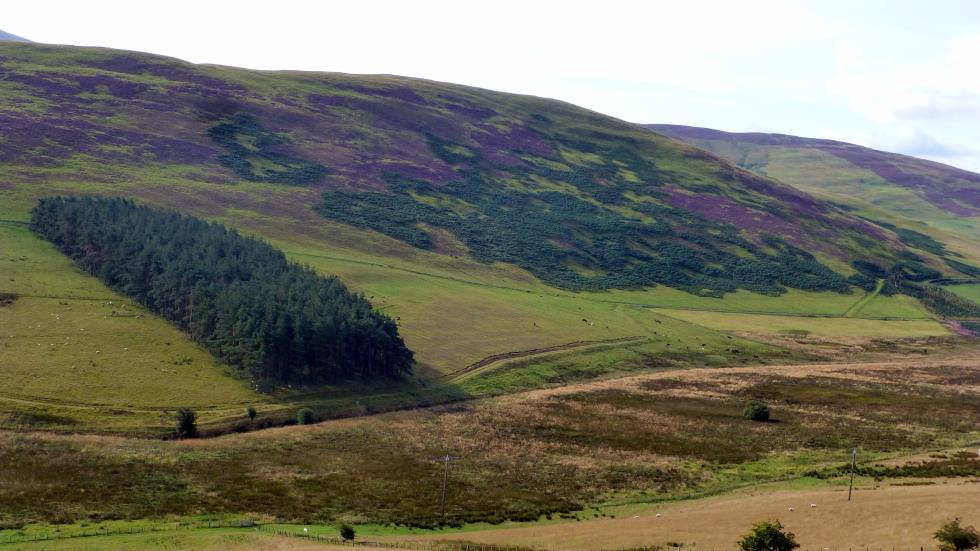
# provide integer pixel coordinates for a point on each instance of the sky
(896, 75)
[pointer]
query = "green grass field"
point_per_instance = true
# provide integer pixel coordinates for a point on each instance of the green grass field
(968, 291)
(130, 370)
(825, 327)
(77, 354)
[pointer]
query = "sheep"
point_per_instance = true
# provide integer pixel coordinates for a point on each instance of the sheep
(790, 509)
(813, 505)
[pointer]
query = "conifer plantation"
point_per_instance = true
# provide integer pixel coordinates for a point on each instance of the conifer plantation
(235, 295)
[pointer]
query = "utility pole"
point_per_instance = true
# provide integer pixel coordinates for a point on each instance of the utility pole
(854, 453)
(445, 481)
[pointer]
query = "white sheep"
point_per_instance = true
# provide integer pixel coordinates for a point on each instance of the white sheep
(812, 505)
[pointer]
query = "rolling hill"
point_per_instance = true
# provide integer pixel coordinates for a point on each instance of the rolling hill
(11, 37)
(493, 228)
(917, 195)
(515, 242)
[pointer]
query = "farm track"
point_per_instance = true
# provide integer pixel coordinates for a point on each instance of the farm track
(67, 297)
(490, 360)
(78, 404)
(863, 301)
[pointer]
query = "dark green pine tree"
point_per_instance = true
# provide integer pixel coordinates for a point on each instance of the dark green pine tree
(237, 296)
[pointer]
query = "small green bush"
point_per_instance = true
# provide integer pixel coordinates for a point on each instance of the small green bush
(756, 411)
(768, 535)
(347, 532)
(954, 537)
(186, 423)
(305, 416)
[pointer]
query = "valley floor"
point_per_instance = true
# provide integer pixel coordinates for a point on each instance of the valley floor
(567, 459)
(888, 516)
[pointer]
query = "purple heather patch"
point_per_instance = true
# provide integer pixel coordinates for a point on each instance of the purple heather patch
(718, 208)
(402, 93)
(956, 191)
(170, 70)
(33, 141)
(47, 85)
(517, 138)
(467, 108)
(116, 87)
(397, 116)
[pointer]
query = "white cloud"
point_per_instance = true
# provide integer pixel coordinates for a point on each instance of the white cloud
(890, 92)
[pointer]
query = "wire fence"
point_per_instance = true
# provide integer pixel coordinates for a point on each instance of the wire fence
(15, 537)
(410, 545)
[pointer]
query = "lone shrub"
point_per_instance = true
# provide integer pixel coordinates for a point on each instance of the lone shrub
(954, 537)
(347, 532)
(250, 411)
(186, 423)
(768, 535)
(756, 411)
(6, 299)
(305, 416)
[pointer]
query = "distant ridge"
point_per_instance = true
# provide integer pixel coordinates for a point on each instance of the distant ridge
(946, 187)
(11, 37)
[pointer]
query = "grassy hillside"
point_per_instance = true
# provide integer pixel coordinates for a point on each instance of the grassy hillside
(914, 194)
(273, 153)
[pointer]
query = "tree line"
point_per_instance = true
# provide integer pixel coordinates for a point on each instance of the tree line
(235, 295)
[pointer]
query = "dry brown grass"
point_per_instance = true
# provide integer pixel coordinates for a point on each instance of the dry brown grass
(644, 438)
(899, 517)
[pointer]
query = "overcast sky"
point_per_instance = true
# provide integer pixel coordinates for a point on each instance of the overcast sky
(896, 75)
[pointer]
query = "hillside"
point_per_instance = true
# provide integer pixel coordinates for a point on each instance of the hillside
(579, 200)
(11, 37)
(171, 234)
(919, 196)
(492, 228)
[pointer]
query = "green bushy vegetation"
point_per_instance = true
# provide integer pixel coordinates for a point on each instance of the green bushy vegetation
(915, 239)
(186, 423)
(768, 535)
(237, 296)
(305, 416)
(967, 269)
(953, 536)
(956, 464)
(581, 240)
(941, 301)
(756, 411)
(255, 153)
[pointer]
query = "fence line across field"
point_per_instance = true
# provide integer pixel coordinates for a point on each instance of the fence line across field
(409, 545)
